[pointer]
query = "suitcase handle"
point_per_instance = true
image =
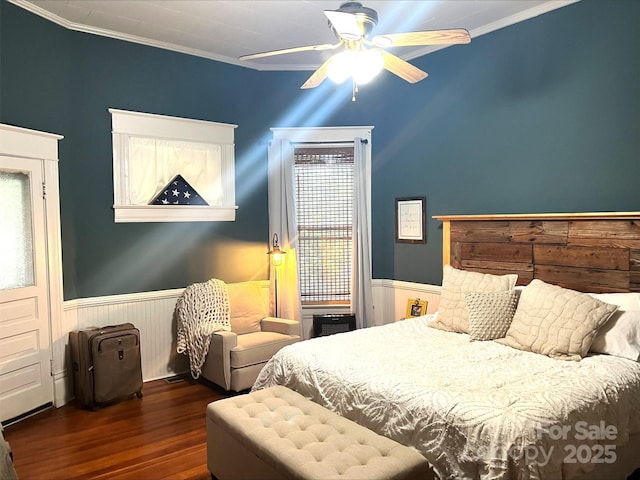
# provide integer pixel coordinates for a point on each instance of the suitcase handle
(108, 328)
(119, 341)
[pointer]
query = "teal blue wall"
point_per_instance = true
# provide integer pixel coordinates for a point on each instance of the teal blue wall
(541, 116)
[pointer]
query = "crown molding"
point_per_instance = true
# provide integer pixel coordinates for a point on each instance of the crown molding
(78, 27)
(504, 22)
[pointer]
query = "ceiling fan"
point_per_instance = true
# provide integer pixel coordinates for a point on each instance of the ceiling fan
(362, 57)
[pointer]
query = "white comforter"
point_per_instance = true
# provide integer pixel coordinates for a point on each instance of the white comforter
(473, 409)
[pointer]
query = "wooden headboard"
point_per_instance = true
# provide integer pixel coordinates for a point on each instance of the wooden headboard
(590, 252)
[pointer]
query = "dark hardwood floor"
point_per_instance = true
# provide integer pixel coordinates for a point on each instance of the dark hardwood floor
(160, 436)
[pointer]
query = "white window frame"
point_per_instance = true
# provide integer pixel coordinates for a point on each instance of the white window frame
(126, 124)
(330, 136)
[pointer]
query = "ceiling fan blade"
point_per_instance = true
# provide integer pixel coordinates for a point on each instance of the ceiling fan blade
(433, 37)
(345, 24)
(318, 76)
(403, 69)
(326, 46)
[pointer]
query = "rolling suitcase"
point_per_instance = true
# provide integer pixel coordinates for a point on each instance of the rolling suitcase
(106, 363)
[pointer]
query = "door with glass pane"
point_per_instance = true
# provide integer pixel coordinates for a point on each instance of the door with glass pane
(25, 368)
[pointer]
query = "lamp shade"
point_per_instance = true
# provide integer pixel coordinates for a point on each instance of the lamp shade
(275, 253)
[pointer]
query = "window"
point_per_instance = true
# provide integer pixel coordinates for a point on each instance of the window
(323, 173)
(149, 151)
(324, 197)
(16, 260)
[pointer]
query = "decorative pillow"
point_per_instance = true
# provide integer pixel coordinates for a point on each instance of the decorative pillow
(626, 301)
(556, 321)
(452, 312)
(247, 307)
(490, 314)
(620, 336)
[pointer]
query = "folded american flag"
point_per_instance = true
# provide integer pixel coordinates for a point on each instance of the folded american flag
(178, 192)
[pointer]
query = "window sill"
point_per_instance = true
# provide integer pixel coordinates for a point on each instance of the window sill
(173, 213)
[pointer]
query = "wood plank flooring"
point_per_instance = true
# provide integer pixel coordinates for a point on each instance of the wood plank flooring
(160, 436)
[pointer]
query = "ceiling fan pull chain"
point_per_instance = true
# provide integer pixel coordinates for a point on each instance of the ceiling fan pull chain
(354, 89)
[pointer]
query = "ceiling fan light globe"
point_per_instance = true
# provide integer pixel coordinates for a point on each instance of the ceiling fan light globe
(382, 41)
(352, 37)
(341, 66)
(368, 65)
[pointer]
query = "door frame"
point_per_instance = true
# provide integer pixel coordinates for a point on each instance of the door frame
(19, 143)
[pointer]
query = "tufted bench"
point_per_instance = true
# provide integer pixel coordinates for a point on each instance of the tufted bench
(276, 433)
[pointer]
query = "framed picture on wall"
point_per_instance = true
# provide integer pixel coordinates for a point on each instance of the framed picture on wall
(411, 220)
(416, 307)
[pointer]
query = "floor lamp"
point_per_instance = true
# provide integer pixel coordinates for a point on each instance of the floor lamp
(276, 256)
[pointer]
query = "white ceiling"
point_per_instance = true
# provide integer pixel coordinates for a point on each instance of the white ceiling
(224, 30)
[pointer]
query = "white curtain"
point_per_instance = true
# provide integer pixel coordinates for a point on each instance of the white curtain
(283, 222)
(361, 291)
(153, 163)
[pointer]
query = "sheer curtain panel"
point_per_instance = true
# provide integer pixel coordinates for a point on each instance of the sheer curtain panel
(282, 221)
(153, 163)
(361, 290)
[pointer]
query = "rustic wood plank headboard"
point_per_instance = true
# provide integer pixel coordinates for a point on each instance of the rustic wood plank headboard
(590, 252)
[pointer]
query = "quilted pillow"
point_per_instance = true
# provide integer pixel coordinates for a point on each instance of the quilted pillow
(247, 306)
(490, 314)
(556, 321)
(452, 312)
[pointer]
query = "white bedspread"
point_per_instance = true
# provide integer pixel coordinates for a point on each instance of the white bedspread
(473, 409)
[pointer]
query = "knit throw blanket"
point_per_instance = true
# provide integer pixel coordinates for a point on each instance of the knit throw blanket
(203, 308)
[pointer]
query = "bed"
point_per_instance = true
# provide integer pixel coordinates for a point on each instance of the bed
(513, 406)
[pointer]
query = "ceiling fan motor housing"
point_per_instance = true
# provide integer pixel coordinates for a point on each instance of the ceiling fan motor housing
(366, 19)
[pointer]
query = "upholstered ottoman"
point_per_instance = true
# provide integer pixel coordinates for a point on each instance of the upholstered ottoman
(276, 433)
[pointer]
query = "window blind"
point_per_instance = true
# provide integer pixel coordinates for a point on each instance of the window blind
(324, 193)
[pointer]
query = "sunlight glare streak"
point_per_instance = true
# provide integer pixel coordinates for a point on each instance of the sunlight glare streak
(148, 259)
(315, 107)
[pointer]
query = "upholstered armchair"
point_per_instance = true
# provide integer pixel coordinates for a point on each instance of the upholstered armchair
(235, 358)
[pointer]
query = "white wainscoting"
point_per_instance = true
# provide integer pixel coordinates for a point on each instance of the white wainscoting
(152, 314)
(390, 298)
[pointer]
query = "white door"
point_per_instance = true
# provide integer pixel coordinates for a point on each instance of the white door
(25, 356)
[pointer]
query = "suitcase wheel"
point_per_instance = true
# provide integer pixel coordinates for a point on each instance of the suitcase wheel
(139, 394)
